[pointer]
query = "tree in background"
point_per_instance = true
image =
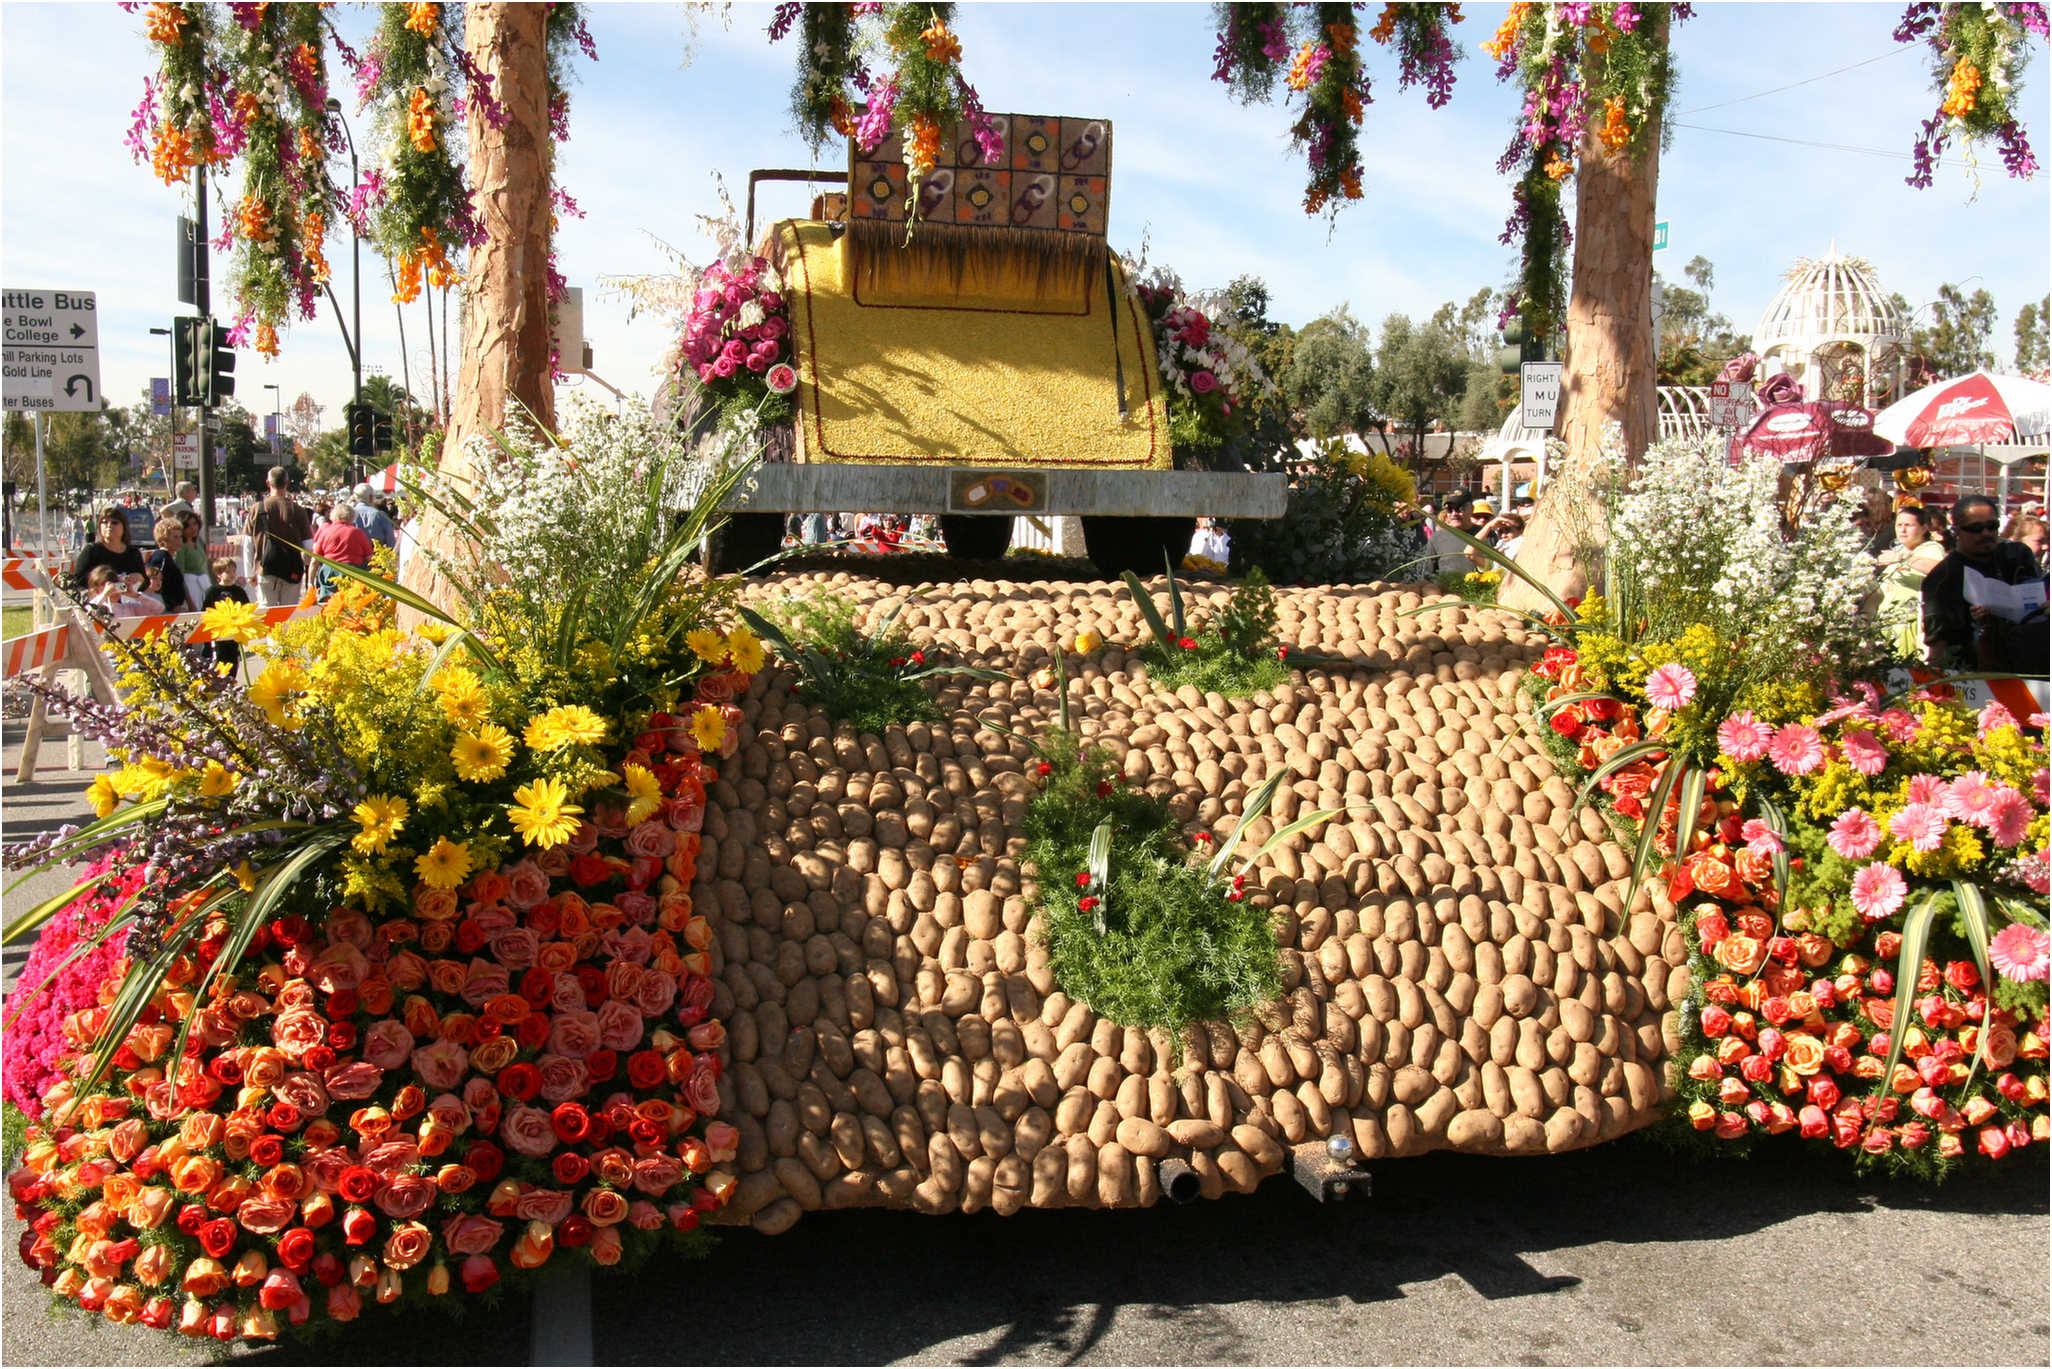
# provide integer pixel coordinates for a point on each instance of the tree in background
(2033, 322)
(1955, 341)
(81, 451)
(1240, 310)
(1421, 375)
(1693, 342)
(302, 423)
(1330, 380)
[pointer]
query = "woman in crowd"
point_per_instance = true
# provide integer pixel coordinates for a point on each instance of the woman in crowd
(1917, 551)
(2030, 530)
(192, 559)
(167, 578)
(112, 550)
(112, 591)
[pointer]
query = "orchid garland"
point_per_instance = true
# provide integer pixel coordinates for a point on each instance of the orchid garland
(1978, 56)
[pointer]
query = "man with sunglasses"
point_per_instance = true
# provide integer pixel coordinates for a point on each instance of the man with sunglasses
(1963, 636)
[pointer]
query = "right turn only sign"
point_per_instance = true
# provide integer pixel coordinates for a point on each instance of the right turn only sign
(1538, 394)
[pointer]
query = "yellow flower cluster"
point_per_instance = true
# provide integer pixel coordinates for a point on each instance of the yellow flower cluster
(1962, 91)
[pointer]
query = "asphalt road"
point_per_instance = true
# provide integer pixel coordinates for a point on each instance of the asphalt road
(1626, 1254)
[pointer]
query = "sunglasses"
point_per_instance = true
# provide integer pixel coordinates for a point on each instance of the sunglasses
(1979, 527)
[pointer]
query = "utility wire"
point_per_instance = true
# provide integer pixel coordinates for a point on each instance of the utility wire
(1808, 80)
(1806, 142)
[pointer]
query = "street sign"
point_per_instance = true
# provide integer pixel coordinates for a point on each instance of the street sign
(1660, 236)
(1538, 394)
(160, 396)
(52, 350)
(1731, 404)
(185, 450)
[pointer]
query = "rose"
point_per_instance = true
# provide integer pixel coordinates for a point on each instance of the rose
(702, 1085)
(566, 994)
(304, 1093)
(484, 981)
(651, 840)
(359, 1079)
(655, 1175)
(562, 1078)
(299, 1031)
(440, 1064)
(470, 1234)
(543, 1205)
(266, 1215)
(338, 967)
(387, 1044)
(604, 1206)
(575, 1034)
(526, 884)
(407, 1245)
(1739, 954)
(526, 1131)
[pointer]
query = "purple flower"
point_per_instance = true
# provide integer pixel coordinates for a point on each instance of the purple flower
(2017, 157)
(780, 22)
(1275, 44)
(876, 119)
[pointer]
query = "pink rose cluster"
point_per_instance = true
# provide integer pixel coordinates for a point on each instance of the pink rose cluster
(737, 324)
(35, 1044)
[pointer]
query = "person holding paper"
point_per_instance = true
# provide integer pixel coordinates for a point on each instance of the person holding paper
(1985, 629)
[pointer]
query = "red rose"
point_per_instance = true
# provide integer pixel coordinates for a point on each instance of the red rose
(485, 1159)
(224, 1069)
(569, 1167)
(267, 1150)
(521, 1081)
(645, 1070)
(479, 1273)
(575, 1232)
(191, 1218)
(1962, 975)
(536, 986)
(358, 1226)
(342, 1003)
(357, 1183)
(283, 1116)
(590, 869)
(296, 1249)
(328, 1270)
(532, 1030)
(603, 1065)
(1566, 721)
(217, 1237)
(571, 1123)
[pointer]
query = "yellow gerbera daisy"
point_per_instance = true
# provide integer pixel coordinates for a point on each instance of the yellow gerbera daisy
(707, 644)
(380, 816)
(463, 698)
(644, 791)
(561, 727)
(217, 780)
(276, 690)
(231, 620)
(105, 797)
(245, 876)
(542, 813)
(482, 755)
(708, 728)
(746, 649)
(444, 865)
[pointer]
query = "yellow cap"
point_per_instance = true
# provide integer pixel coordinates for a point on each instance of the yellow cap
(1482, 509)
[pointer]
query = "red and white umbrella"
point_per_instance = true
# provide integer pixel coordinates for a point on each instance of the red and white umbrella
(1982, 407)
(386, 481)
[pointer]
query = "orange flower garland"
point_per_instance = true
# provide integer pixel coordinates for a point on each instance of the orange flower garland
(924, 149)
(1615, 132)
(163, 22)
(1385, 27)
(407, 288)
(440, 273)
(1961, 91)
(253, 220)
(423, 18)
(420, 121)
(313, 231)
(941, 44)
(1507, 31)
(171, 157)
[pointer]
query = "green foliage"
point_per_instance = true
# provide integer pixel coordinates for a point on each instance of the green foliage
(13, 1135)
(2033, 323)
(1340, 525)
(1174, 948)
(1212, 665)
(1234, 654)
(1421, 374)
(1330, 377)
(1247, 621)
(868, 680)
(1472, 586)
(1949, 336)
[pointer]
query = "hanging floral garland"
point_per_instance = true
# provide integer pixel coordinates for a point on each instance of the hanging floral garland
(1978, 56)
(1581, 65)
(1315, 50)
(924, 92)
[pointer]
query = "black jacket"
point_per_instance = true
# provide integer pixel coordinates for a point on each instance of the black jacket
(1956, 640)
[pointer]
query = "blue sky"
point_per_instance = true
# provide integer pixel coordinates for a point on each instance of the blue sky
(1214, 185)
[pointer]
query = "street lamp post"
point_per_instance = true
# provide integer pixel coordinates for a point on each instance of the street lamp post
(353, 335)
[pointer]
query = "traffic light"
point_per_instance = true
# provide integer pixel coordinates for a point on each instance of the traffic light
(361, 420)
(189, 360)
(1511, 355)
(220, 363)
(381, 433)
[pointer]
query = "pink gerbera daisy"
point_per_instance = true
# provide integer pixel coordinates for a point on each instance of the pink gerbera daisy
(1855, 834)
(1928, 789)
(1994, 716)
(1922, 825)
(1760, 839)
(2041, 786)
(1743, 737)
(2008, 816)
(1968, 797)
(1863, 751)
(2021, 953)
(1900, 724)
(1796, 749)
(1877, 891)
(1671, 686)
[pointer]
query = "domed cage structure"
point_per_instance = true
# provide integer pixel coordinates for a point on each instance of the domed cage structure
(1836, 331)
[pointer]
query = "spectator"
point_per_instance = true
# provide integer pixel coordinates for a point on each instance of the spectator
(372, 519)
(340, 540)
(1916, 554)
(167, 577)
(192, 559)
(226, 586)
(187, 492)
(113, 592)
(1444, 552)
(2030, 530)
(1963, 636)
(279, 529)
(112, 550)
(1504, 532)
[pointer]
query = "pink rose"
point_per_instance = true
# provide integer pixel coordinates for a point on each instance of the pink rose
(527, 885)
(619, 1025)
(357, 1080)
(635, 906)
(440, 1064)
(654, 994)
(492, 920)
(483, 1101)
(406, 970)
(348, 925)
(563, 1078)
(774, 327)
(451, 1112)
(655, 1175)
(387, 1044)
(696, 995)
(303, 1091)
(554, 862)
(734, 719)
(483, 981)
(724, 367)
(391, 1158)
(1203, 382)
(526, 1131)
(583, 841)
(702, 1085)
(469, 1234)
(651, 840)
(299, 1031)
(324, 1166)
(685, 813)
(266, 1216)
(631, 943)
(718, 687)
(542, 1205)
(566, 994)
(609, 820)
(622, 978)
(515, 947)
(405, 1196)
(757, 362)
(338, 967)
(575, 1034)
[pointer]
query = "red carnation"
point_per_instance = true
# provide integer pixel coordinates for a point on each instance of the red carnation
(1104, 788)
(1082, 879)
(296, 1249)
(1043, 769)
(217, 1237)
(357, 1183)
(521, 1081)
(1086, 903)
(570, 1122)
(1187, 643)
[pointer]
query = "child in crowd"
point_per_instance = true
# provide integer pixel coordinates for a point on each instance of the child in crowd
(113, 592)
(227, 585)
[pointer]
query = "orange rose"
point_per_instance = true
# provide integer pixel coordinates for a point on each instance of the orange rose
(407, 1246)
(434, 905)
(1805, 1054)
(537, 1242)
(204, 1277)
(195, 1174)
(446, 976)
(494, 1054)
(1739, 954)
